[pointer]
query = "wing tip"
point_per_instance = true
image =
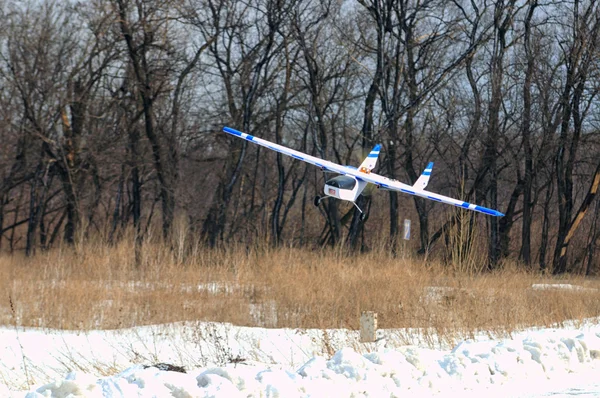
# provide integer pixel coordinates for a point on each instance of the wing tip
(490, 212)
(230, 130)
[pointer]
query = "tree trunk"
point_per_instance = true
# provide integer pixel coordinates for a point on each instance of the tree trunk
(506, 223)
(137, 53)
(411, 71)
(525, 253)
(393, 196)
(545, 226)
(357, 223)
(560, 265)
(581, 56)
(34, 207)
(503, 15)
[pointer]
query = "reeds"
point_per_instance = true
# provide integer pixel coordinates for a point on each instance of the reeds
(99, 286)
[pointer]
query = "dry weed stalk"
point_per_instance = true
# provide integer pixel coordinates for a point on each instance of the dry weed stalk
(15, 324)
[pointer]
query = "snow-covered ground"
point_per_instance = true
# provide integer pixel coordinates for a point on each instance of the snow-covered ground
(228, 361)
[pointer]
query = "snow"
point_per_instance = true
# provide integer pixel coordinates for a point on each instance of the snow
(223, 360)
(562, 286)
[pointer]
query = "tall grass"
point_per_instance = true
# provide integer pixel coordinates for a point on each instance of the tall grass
(99, 286)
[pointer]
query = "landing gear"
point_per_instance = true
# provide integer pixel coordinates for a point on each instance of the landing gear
(362, 214)
(317, 200)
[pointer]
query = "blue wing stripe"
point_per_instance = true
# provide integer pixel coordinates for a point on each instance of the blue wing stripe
(232, 131)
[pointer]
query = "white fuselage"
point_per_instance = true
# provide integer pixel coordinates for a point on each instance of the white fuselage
(344, 187)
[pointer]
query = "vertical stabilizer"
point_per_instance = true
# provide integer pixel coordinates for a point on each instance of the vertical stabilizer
(424, 178)
(371, 160)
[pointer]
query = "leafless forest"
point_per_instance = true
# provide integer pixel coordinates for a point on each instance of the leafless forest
(111, 114)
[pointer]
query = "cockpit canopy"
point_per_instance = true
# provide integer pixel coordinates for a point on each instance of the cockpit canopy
(342, 182)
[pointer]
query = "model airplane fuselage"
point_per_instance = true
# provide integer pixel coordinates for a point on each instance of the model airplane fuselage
(352, 181)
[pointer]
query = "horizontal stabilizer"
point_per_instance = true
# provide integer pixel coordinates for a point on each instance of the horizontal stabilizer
(371, 160)
(424, 178)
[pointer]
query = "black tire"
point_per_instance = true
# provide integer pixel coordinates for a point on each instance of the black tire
(362, 216)
(317, 200)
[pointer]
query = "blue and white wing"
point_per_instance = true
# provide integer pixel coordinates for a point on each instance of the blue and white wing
(387, 183)
(321, 163)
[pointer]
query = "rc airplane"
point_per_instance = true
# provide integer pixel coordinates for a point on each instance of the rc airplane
(352, 181)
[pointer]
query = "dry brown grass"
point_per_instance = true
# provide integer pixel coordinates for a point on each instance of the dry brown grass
(98, 286)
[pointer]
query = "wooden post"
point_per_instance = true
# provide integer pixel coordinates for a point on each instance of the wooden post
(368, 327)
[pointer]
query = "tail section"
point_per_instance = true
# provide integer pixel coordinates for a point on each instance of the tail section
(423, 179)
(371, 160)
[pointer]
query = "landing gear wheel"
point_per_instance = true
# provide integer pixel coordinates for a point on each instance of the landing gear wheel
(362, 216)
(317, 200)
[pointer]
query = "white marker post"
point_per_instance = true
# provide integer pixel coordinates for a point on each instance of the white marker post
(368, 327)
(406, 234)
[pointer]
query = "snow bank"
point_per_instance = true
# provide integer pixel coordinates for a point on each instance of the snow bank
(520, 364)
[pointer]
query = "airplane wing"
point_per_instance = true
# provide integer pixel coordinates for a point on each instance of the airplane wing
(376, 179)
(393, 185)
(321, 163)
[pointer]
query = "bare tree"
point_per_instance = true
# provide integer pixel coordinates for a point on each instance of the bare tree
(53, 70)
(247, 41)
(326, 74)
(525, 253)
(580, 53)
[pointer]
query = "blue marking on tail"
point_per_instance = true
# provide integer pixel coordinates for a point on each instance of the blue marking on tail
(375, 151)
